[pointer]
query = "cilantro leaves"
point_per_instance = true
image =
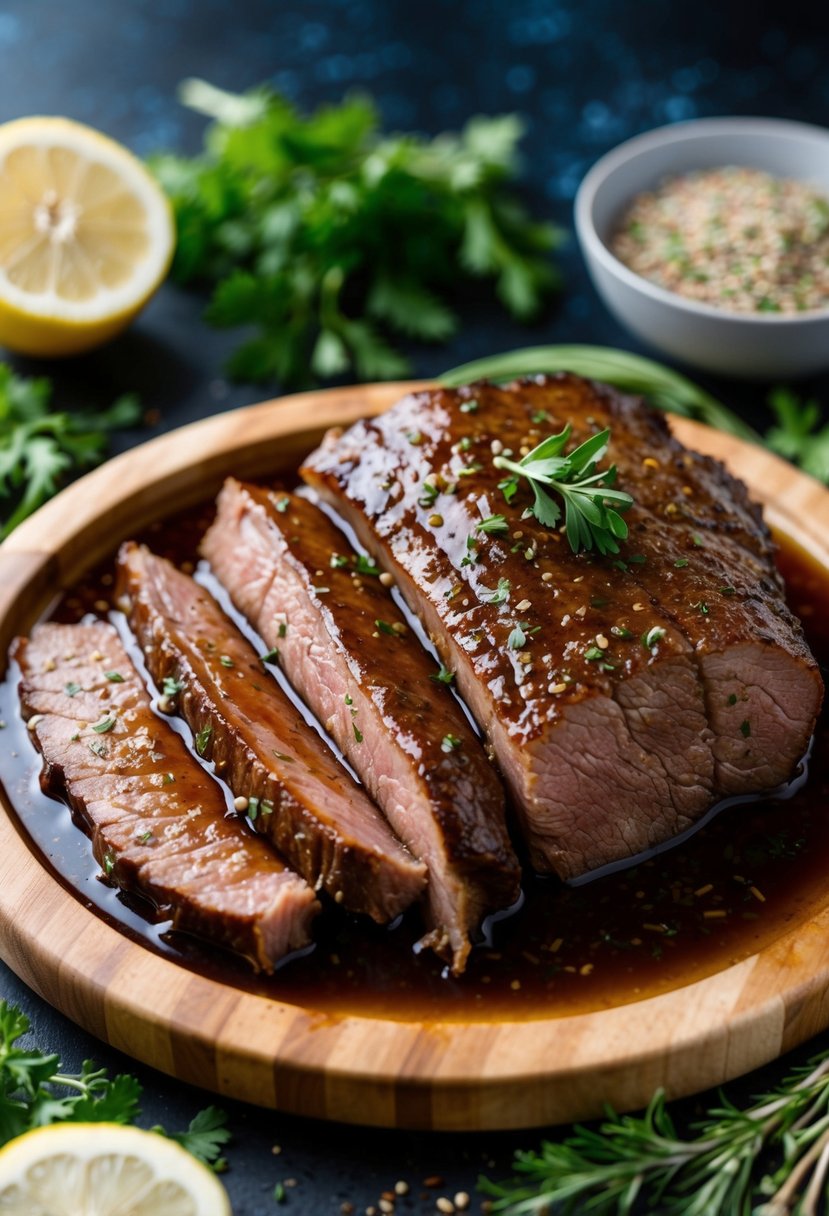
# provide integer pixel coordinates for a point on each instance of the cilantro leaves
(34, 1092)
(329, 237)
(39, 449)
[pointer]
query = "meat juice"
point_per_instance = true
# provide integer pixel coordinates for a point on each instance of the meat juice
(749, 875)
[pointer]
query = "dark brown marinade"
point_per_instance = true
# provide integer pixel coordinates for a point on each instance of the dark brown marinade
(617, 939)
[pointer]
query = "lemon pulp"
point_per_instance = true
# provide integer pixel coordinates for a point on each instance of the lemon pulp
(86, 236)
(105, 1169)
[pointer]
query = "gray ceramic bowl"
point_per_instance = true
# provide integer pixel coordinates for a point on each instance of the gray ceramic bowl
(756, 345)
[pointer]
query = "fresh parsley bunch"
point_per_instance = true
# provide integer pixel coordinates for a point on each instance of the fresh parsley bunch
(39, 449)
(34, 1092)
(327, 237)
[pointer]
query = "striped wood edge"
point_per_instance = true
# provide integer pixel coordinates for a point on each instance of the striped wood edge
(452, 1076)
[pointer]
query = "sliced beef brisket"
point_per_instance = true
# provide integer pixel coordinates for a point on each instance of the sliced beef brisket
(345, 646)
(299, 796)
(158, 821)
(622, 696)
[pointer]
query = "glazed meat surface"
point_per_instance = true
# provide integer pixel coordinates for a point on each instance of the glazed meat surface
(157, 820)
(304, 801)
(640, 689)
(345, 646)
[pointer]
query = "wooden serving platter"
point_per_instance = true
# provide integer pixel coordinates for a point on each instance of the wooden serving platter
(454, 1075)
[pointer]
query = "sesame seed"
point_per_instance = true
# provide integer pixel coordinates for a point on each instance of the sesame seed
(601, 641)
(651, 462)
(517, 535)
(585, 969)
(386, 1205)
(556, 688)
(546, 577)
(435, 520)
(714, 914)
(515, 985)
(34, 721)
(638, 607)
(95, 657)
(758, 894)
(387, 579)
(240, 804)
(164, 705)
(496, 447)
(401, 1188)
(581, 611)
(462, 1201)
(49, 665)
(704, 890)
(523, 606)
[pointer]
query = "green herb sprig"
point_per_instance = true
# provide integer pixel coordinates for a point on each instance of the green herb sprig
(34, 1092)
(41, 449)
(592, 508)
(768, 1159)
(798, 433)
(329, 237)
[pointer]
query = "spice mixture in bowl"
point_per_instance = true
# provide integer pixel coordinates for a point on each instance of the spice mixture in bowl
(733, 237)
(720, 266)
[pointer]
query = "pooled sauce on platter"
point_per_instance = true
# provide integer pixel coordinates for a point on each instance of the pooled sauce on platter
(749, 875)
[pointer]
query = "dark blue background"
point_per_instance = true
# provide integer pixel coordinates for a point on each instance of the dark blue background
(585, 75)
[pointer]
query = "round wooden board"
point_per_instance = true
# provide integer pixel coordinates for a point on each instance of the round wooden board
(366, 1070)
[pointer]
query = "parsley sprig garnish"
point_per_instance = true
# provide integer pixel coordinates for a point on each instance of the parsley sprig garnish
(592, 508)
(765, 1158)
(34, 1092)
(41, 449)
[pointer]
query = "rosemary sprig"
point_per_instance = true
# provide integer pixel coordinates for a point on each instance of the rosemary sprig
(592, 508)
(639, 1163)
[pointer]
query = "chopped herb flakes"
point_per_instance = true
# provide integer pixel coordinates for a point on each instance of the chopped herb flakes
(109, 863)
(282, 505)
(701, 607)
(539, 416)
(270, 656)
(386, 628)
(226, 660)
(358, 734)
(98, 747)
(337, 561)
(621, 631)
(470, 407)
(171, 687)
(72, 689)
(492, 524)
(732, 700)
(745, 728)
(681, 563)
(499, 596)
(450, 743)
(282, 756)
(414, 437)
(443, 676)
(114, 677)
(203, 738)
(145, 838)
(654, 635)
(428, 494)
(519, 635)
(101, 728)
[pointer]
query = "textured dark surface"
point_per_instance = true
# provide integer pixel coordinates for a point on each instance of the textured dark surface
(587, 74)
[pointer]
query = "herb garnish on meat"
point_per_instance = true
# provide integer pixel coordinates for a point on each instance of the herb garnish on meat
(592, 508)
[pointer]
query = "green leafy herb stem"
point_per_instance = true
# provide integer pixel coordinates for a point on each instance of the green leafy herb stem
(592, 507)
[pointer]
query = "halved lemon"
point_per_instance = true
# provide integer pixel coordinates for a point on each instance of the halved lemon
(86, 236)
(105, 1169)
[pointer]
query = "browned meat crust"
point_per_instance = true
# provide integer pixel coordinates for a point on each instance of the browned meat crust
(319, 819)
(158, 821)
(648, 686)
(344, 645)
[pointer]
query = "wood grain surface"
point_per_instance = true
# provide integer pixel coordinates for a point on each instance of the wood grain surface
(459, 1076)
